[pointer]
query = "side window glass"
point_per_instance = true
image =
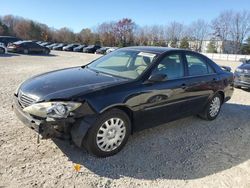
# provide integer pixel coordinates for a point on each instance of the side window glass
(172, 66)
(197, 66)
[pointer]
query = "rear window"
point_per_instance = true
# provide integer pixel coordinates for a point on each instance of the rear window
(198, 66)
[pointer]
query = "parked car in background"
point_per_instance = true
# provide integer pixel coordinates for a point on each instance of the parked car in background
(8, 39)
(102, 50)
(129, 90)
(91, 49)
(70, 47)
(111, 49)
(45, 43)
(51, 45)
(27, 47)
(39, 42)
(59, 46)
(79, 48)
(242, 75)
(3, 49)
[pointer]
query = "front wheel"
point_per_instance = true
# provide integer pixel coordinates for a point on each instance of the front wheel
(212, 109)
(109, 134)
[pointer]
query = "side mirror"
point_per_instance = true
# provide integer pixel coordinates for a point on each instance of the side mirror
(157, 78)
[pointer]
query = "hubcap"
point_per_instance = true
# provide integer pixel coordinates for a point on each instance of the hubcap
(214, 107)
(111, 134)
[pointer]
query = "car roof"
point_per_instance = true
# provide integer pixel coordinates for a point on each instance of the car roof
(152, 49)
(8, 37)
(23, 41)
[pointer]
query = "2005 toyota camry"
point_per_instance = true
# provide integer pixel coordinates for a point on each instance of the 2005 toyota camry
(99, 105)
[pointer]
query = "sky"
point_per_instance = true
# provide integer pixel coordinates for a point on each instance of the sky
(78, 14)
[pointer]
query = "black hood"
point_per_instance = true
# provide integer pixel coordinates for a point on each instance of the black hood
(245, 66)
(67, 83)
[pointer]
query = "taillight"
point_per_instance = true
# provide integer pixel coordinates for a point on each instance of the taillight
(14, 45)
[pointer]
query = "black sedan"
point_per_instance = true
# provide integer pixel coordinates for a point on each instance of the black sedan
(51, 45)
(242, 75)
(102, 50)
(70, 47)
(8, 39)
(79, 48)
(27, 47)
(59, 47)
(91, 49)
(129, 90)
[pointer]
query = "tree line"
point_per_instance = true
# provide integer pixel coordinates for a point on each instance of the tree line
(228, 26)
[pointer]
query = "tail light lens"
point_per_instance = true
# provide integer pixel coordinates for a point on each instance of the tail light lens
(14, 45)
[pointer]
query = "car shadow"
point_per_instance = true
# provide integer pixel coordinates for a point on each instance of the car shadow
(189, 148)
(41, 55)
(246, 89)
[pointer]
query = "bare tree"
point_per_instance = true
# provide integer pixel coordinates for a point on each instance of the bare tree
(106, 33)
(86, 36)
(198, 32)
(221, 27)
(124, 31)
(239, 28)
(20, 29)
(9, 21)
(65, 35)
(140, 36)
(175, 32)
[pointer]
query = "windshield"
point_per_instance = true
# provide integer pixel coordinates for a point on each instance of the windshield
(124, 63)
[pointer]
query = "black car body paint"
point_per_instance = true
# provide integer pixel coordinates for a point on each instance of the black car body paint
(148, 104)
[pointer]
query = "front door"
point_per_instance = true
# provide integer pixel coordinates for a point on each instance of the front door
(163, 101)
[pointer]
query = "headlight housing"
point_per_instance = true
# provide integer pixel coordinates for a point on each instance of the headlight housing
(52, 109)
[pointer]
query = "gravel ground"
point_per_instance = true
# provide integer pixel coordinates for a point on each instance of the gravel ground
(186, 153)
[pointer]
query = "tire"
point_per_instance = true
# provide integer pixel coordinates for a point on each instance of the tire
(26, 51)
(212, 109)
(109, 134)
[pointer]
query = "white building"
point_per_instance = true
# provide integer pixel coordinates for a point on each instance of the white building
(195, 45)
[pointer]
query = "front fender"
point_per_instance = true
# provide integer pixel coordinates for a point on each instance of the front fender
(80, 129)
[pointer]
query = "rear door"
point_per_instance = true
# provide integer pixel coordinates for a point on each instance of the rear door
(36, 47)
(200, 83)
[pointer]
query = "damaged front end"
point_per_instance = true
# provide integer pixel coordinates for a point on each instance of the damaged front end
(45, 127)
(51, 119)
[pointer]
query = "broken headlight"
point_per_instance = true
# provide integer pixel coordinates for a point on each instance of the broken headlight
(52, 109)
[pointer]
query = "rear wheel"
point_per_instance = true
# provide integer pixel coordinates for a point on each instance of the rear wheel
(109, 134)
(212, 109)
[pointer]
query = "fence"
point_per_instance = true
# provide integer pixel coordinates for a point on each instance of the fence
(227, 57)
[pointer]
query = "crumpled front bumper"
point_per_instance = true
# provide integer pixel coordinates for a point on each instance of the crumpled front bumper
(47, 129)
